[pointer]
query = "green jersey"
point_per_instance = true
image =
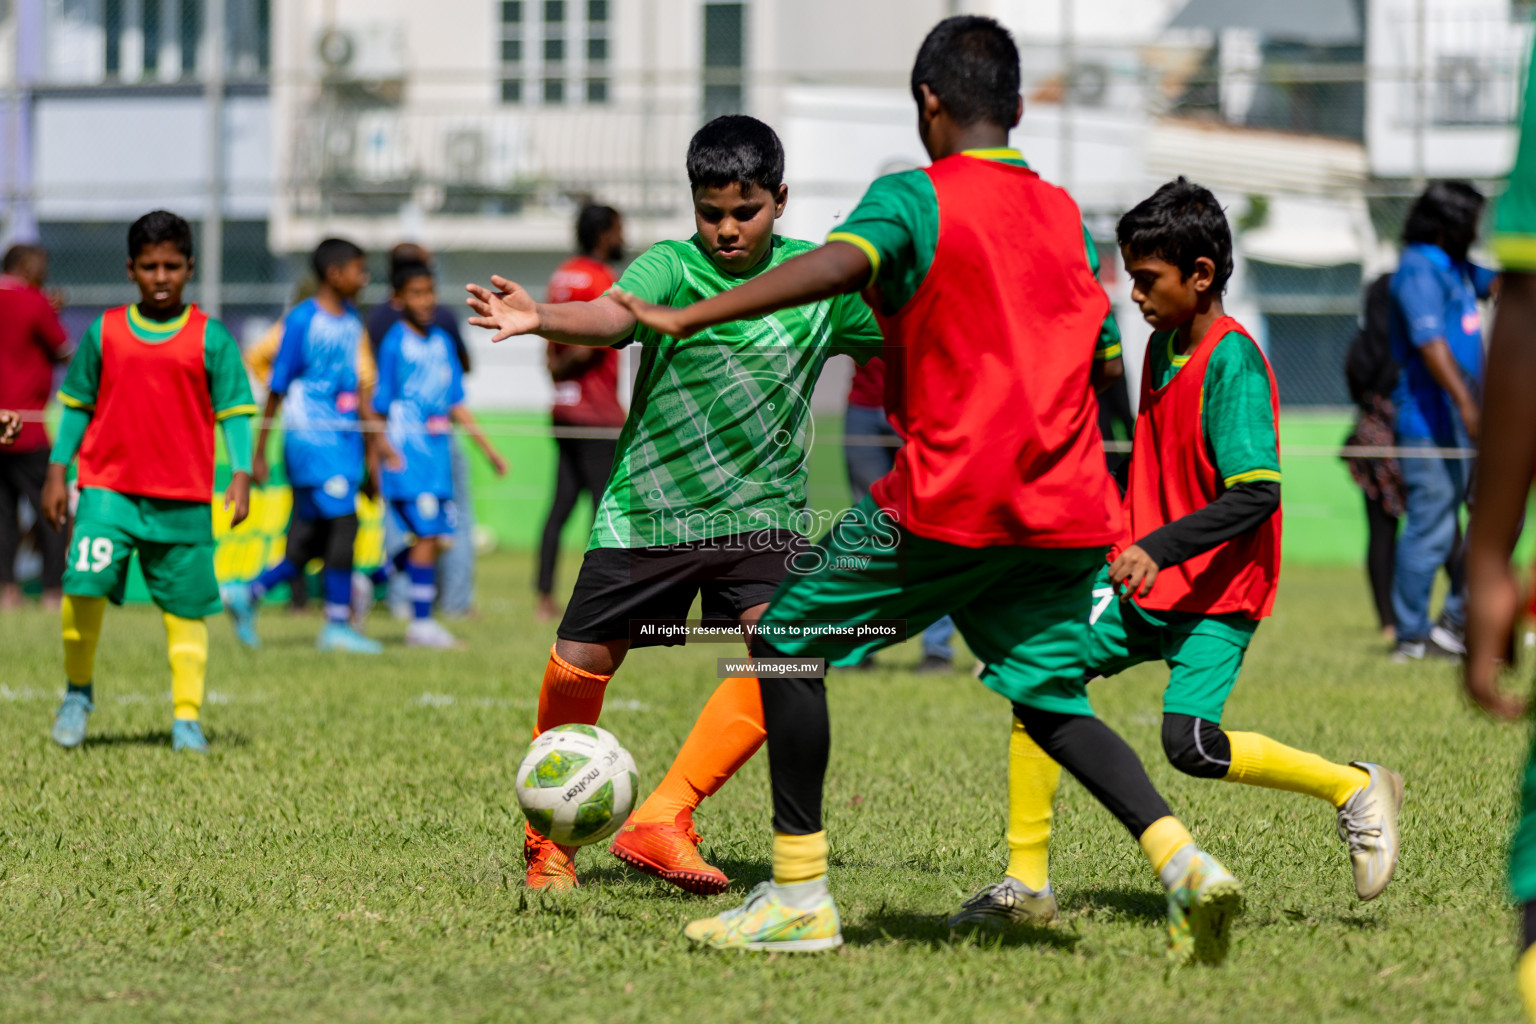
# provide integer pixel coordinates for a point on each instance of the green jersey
(1514, 239)
(897, 226)
(719, 429)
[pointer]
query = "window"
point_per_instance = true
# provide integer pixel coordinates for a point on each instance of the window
(724, 58)
(112, 25)
(191, 32)
(560, 49)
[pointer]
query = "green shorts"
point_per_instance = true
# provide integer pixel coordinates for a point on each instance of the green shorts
(110, 527)
(1203, 657)
(1522, 849)
(1023, 611)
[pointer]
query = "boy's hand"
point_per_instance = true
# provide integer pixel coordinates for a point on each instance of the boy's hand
(260, 472)
(238, 498)
(662, 319)
(1490, 644)
(56, 496)
(389, 457)
(509, 312)
(1133, 573)
(498, 463)
(10, 426)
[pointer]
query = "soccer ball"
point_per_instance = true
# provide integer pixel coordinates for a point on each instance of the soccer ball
(576, 784)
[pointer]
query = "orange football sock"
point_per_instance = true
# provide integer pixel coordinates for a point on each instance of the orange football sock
(727, 734)
(569, 694)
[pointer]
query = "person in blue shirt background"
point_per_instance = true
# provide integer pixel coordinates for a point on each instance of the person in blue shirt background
(421, 396)
(1437, 338)
(325, 371)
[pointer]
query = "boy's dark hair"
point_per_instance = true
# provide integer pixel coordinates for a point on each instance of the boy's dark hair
(1179, 223)
(735, 150)
(593, 221)
(972, 65)
(1446, 212)
(18, 255)
(405, 273)
(332, 253)
(156, 227)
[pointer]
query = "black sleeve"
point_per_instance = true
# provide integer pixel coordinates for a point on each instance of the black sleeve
(1237, 511)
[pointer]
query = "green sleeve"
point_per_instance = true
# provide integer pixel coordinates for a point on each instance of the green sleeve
(84, 375)
(656, 275)
(1109, 331)
(1514, 239)
(228, 385)
(237, 442)
(897, 226)
(1239, 417)
(71, 432)
(857, 333)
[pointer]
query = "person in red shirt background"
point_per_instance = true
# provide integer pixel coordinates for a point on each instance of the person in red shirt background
(32, 343)
(586, 387)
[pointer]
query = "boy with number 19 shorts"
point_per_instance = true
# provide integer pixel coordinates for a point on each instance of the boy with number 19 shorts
(999, 499)
(141, 398)
(1197, 567)
(707, 495)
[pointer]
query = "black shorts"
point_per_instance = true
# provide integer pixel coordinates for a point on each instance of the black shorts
(730, 574)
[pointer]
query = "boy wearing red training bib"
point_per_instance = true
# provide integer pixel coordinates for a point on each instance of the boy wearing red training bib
(142, 396)
(1197, 567)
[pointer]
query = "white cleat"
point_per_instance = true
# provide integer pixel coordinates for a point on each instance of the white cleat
(430, 633)
(1008, 904)
(1368, 824)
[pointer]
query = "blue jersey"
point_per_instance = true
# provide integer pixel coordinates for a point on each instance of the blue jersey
(420, 381)
(322, 364)
(1434, 296)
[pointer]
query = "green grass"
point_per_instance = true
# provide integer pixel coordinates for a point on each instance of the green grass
(348, 852)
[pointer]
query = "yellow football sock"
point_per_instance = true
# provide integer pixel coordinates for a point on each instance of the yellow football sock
(1260, 761)
(81, 617)
(1032, 782)
(1527, 972)
(1163, 838)
(187, 641)
(799, 858)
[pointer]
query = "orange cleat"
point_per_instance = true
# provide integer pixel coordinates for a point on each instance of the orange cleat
(670, 853)
(550, 866)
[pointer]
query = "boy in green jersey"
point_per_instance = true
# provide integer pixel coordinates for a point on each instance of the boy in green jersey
(1505, 464)
(141, 398)
(707, 495)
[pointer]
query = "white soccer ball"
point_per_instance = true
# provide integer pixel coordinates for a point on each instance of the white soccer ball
(576, 784)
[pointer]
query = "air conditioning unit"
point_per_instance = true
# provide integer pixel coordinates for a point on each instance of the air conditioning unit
(372, 51)
(465, 152)
(1090, 84)
(1461, 85)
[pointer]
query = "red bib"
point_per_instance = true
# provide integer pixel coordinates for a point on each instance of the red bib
(152, 432)
(1172, 476)
(987, 372)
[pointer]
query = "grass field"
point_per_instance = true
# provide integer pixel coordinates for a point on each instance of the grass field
(348, 852)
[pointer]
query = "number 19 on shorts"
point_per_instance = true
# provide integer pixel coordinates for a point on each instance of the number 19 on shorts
(95, 555)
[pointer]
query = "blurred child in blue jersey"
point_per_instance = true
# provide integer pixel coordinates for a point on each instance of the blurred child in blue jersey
(421, 396)
(325, 371)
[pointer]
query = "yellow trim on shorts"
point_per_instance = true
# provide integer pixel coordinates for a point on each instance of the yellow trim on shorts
(1112, 352)
(865, 246)
(235, 410)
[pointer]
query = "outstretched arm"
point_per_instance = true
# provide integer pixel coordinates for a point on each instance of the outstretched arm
(836, 268)
(464, 418)
(1505, 465)
(511, 311)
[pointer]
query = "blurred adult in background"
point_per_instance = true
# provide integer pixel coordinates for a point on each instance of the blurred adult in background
(1372, 375)
(456, 565)
(586, 388)
(1437, 339)
(32, 343)
(865, 421)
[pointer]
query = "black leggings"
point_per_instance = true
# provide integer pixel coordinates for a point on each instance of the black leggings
(330, 539)
(584, 465)
(1381, 558)
(22, 476)
(800, 738)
